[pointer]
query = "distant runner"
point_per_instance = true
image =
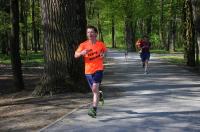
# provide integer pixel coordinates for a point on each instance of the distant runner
(144, 45)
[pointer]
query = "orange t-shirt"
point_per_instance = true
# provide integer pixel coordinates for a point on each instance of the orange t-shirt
(93, 59)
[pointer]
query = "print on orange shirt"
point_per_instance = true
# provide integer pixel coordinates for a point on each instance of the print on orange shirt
(93, 59)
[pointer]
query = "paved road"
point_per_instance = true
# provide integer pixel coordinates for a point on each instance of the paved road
(165, 100)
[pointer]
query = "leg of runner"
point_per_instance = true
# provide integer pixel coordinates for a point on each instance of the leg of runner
(95, 90)
(146, 67)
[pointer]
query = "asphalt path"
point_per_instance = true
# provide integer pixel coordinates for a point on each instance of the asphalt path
(165, 100)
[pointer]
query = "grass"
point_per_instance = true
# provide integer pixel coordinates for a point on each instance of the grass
(36, 59)
(31, 59)
(4, 59)
(158, 51)
(179, 60)
(171, 57)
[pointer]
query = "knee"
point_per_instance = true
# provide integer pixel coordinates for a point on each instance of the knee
(95, 88)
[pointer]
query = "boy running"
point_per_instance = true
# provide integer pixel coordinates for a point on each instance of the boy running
(93, 52)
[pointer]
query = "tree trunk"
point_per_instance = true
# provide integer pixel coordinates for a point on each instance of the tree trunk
(77, 26)
(189, 34)
(149, 25)
(34, 33)
(24, 6)
(99, 27)
(196, 14)
(172, 27)
(5, 33)
(3, 43)
(14, 45)
(162, 36)
(38, 39)
(129, 35)
(64, 25)
(148, 20)
(113, 33)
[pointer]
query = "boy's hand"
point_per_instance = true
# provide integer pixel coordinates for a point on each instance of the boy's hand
(84, 52)
(102, 54)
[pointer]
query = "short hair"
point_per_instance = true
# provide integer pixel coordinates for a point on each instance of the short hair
(92, 27)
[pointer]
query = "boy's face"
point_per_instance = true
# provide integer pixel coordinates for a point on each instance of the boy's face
(91, 34)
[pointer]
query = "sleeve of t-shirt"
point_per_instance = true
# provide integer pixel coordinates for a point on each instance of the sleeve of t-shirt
(141, 45)
(79, 49)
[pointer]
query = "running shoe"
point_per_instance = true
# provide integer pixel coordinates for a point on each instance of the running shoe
(92, 113)
(101, 99)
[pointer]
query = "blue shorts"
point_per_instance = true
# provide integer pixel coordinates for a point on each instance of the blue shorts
(145, 56)
(94, 78)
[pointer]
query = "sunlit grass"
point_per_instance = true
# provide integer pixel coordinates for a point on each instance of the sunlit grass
(31, 59)
(159, 51)
(174, 59)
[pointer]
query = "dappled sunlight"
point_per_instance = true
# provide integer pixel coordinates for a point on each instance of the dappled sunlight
(32, 113)
(167, 88)
(166, 99)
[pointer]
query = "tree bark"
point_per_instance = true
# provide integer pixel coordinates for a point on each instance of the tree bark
(148, 20)
(189, 34)
(34, 30)
(24, 6)
(196, 14)
(161, 33)
(14, 45)
(64, 25)
(172, 28)
(129, 35)
(113, 33)
(99, 27)
(5, 33)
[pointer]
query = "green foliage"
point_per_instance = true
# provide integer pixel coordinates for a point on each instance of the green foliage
(155, 40)
(102, 12)
(4, 22)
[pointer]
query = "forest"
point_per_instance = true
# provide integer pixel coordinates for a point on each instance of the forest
(51, 30)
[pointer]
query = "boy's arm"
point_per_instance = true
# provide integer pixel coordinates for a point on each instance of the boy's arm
(81, 53)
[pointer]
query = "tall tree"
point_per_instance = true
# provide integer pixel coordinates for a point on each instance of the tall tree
(64, 25)
(34, 28)
(129, 31)
(172, 27)
(113, 32)
(189, 33)
(161, 25)
(14, 45)
(99, 27)
(4, 26)
(24, 8)
(148, 5)
(196, 13)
